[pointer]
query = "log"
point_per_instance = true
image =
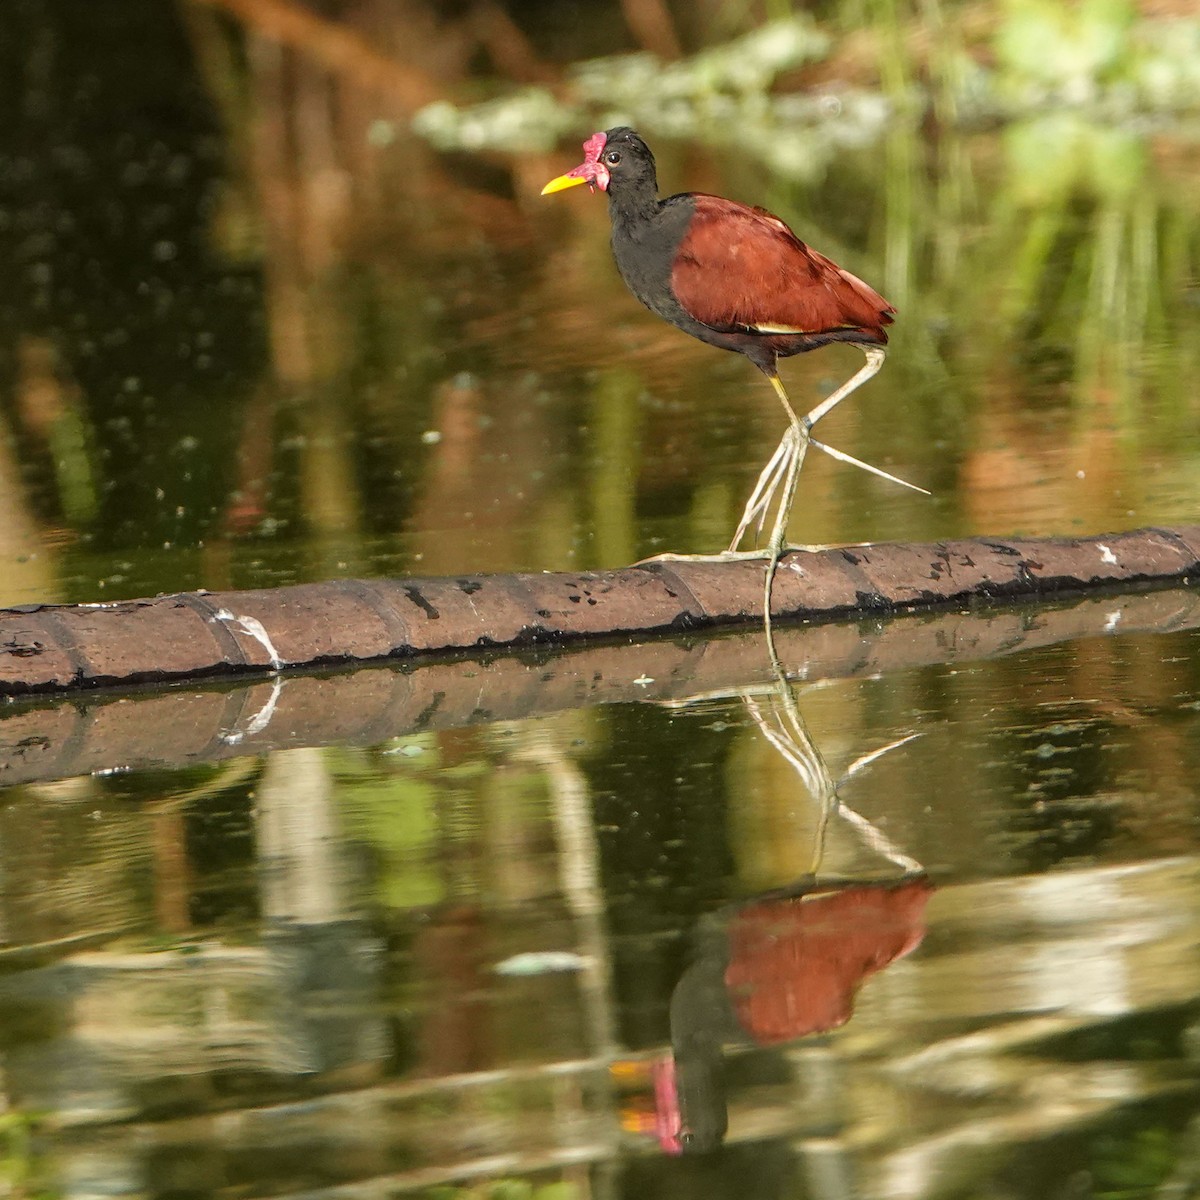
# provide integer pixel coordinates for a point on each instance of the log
(60, 736)
(195, 635)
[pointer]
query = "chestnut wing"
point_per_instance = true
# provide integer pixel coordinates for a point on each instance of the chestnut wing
(740, 269)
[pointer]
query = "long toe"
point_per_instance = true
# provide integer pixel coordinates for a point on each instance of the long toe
(719, 557)
(730, 555)
(769, 481)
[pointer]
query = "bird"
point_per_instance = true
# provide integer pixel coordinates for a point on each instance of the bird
(736, 277)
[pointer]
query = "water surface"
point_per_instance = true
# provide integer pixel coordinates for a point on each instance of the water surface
(925, 931)
(634, 922)
(258, 333)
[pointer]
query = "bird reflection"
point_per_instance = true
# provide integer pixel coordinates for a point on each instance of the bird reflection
(782, 967)
(788, 963)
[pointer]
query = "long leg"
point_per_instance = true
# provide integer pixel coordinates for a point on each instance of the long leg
(795, 460)
(783, 470)
(768, 484)
(773, 474)
(800, 431)
(875, 356)
(775, 471)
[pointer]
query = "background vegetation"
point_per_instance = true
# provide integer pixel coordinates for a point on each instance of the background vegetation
(285, 303)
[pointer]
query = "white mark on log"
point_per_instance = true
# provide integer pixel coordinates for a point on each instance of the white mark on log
(643, 681)
(1112, 620)
(260, 720)
(1106, 555)
(253, 627)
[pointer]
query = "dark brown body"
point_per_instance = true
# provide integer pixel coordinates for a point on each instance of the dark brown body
(731, 275)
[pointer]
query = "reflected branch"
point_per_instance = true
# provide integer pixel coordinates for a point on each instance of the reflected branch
(650, 22)
(334, 47)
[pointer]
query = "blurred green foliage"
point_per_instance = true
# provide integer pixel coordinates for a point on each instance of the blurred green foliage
(1065, 50)
(389, 804)
(1002, 61)
(18, 1159)
(1128, 1165)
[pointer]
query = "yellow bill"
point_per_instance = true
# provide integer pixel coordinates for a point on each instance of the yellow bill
(562, 183)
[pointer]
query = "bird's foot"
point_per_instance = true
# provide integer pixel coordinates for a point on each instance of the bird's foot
(730, 555)
(719, 557)
(768, 552)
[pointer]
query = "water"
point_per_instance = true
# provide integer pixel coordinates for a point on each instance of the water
(927, 929)
(250, 342)
(543, 926)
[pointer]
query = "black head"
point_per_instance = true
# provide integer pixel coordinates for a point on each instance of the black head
(617, 162)
(627, 161)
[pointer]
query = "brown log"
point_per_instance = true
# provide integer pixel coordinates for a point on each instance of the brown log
(56, 736)
(190, 635)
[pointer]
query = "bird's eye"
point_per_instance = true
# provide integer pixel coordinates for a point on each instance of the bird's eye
(612, 157)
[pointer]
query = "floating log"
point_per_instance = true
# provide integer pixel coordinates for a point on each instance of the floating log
(192, 635)
(59, 735)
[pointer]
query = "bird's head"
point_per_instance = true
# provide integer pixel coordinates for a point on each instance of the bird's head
(614, 158)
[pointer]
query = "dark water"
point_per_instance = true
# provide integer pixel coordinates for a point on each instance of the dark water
(711, 942)
(545, 928)
(255, 332)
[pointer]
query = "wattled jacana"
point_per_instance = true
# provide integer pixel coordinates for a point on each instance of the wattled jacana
(738, 278)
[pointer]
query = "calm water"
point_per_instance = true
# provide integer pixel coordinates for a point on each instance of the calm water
(256, 333)
(708, 942)
(633, 922)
